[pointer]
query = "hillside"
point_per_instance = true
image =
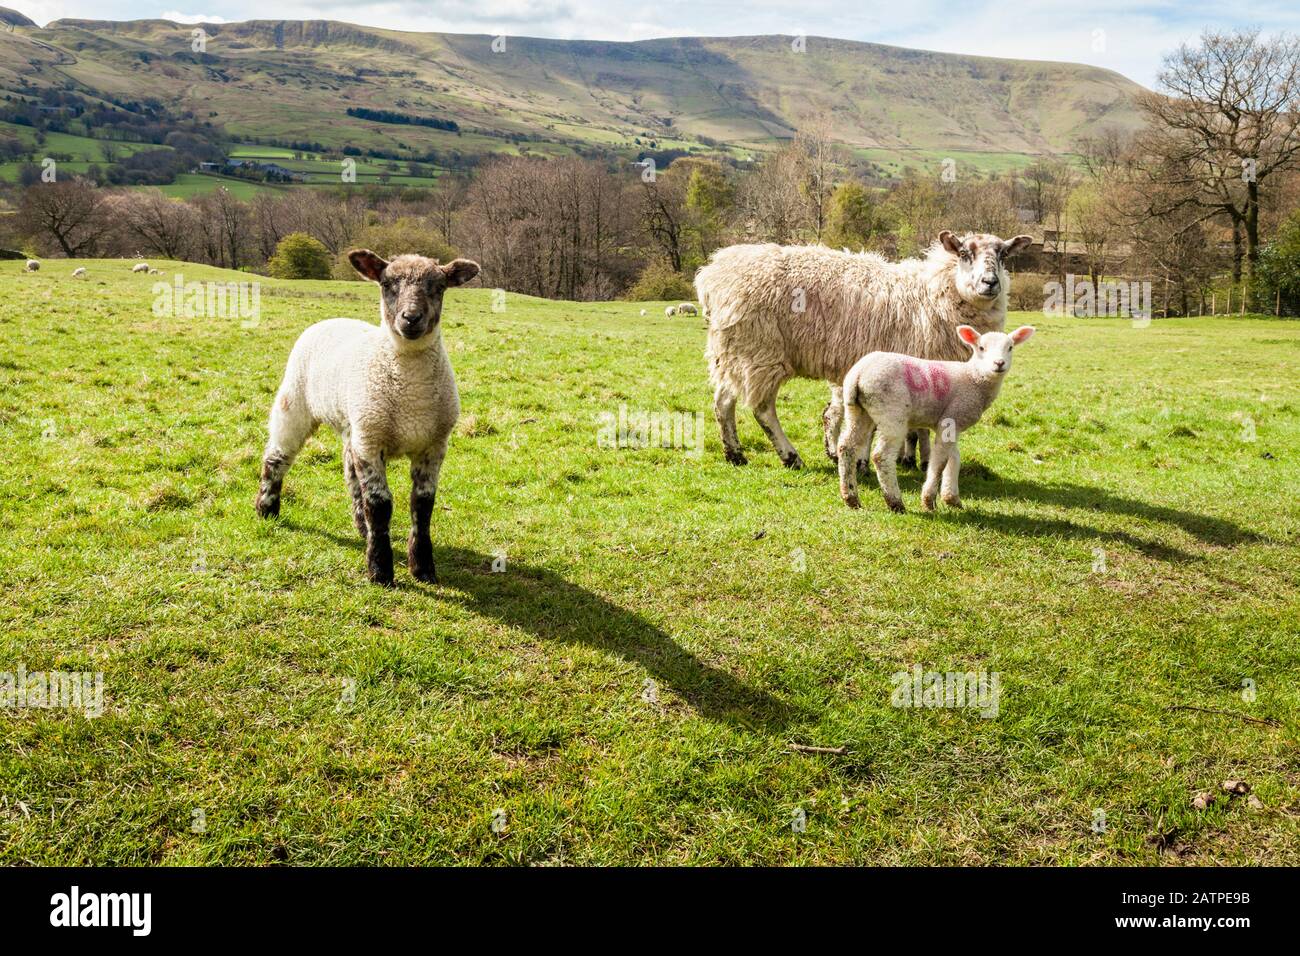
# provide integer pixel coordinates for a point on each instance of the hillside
(293, 81)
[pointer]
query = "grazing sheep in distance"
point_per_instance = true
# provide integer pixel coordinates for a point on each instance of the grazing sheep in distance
(32, 265)
(670, 311)
(154, 272)
(140, 267)
(79, 272)
(781, 312)
(388, 390)
(643, 313)
(687, 308)
(891, 394)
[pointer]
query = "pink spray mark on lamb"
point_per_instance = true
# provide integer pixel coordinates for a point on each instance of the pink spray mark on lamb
(931, 377)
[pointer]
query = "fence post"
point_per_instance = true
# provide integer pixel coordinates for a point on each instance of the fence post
(1277, 308)
(1214, 302)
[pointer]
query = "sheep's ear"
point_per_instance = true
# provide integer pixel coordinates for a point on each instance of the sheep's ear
(968, 335)
(1015, 245)
(1022, 334)
(460, 271)
(367, 263)
(950, 242)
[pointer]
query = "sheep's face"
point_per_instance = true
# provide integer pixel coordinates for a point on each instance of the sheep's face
(981, 275)
(411, 288)
(992, 350)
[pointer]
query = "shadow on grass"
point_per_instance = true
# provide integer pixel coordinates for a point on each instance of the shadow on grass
(552, 608)
(978, 481)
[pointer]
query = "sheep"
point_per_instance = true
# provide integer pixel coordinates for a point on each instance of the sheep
(687, 308)
(79, 272)
(33, 265)
(388, 390)
(891, 394)
(670, 311)
(140, 267)
(779, 312)
(154, 272)
(643, 313)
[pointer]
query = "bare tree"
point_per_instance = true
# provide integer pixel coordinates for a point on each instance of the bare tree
(1227, 120)
(71, 212)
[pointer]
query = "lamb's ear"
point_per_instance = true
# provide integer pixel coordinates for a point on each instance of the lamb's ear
(1013, 246)
(460, 271)
(950, 242)
(1022, 334)
(367, 263)
(968, 335)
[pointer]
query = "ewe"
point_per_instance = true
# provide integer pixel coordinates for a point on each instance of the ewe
(780, 312)
(140, 267)
(388, 390)
(687, 308)
(32, 265)
(79, 272)
(670, 311)
(892, 394)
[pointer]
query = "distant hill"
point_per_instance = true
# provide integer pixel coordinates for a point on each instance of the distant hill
(294, 81)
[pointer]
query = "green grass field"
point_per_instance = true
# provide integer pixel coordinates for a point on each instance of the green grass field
(665, 626)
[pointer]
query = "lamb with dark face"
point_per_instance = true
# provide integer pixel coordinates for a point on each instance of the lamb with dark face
(388, 390)
(411, 288)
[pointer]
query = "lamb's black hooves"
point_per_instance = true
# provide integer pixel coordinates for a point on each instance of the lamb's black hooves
(907, 462)
(852, 501)
(794, 462)
(428, 575)
(268, 507)
(737, 457)
(895, 506)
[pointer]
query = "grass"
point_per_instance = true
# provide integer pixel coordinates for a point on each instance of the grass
(665, 625)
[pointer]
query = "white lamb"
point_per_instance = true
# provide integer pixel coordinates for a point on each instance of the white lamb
(79, 272)
(32, 265)
(893, 394)
(388, 390)
(782, 312)
(140, 267)
(670, 311)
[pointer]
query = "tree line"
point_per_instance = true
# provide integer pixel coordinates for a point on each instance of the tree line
(1202, 198)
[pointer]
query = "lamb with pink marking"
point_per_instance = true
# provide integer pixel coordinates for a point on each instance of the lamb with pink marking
(891, 394)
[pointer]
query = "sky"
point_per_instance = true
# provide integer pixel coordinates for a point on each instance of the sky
(1128, 36)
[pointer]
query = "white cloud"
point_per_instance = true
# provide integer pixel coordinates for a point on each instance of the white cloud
(177, 17)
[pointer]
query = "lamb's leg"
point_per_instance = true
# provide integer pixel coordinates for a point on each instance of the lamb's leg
(953, 465)
(354, 489)
(889, 439)
(724, 410)
(765, 412)
(378, 503)
(851, 449)
(290, 427)
(424, 491)
(907, 455)
(930, 490)
(923, 448)
(832, 420)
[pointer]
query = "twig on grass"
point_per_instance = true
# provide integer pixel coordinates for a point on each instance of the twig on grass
(810, 749)
(1266, 721)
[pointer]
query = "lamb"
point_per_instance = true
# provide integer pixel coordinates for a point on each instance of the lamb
(892, 393)
(140, 267)
(388, 390)
(79, 272)
(779, 312)
(670, 311)
(33, 265)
